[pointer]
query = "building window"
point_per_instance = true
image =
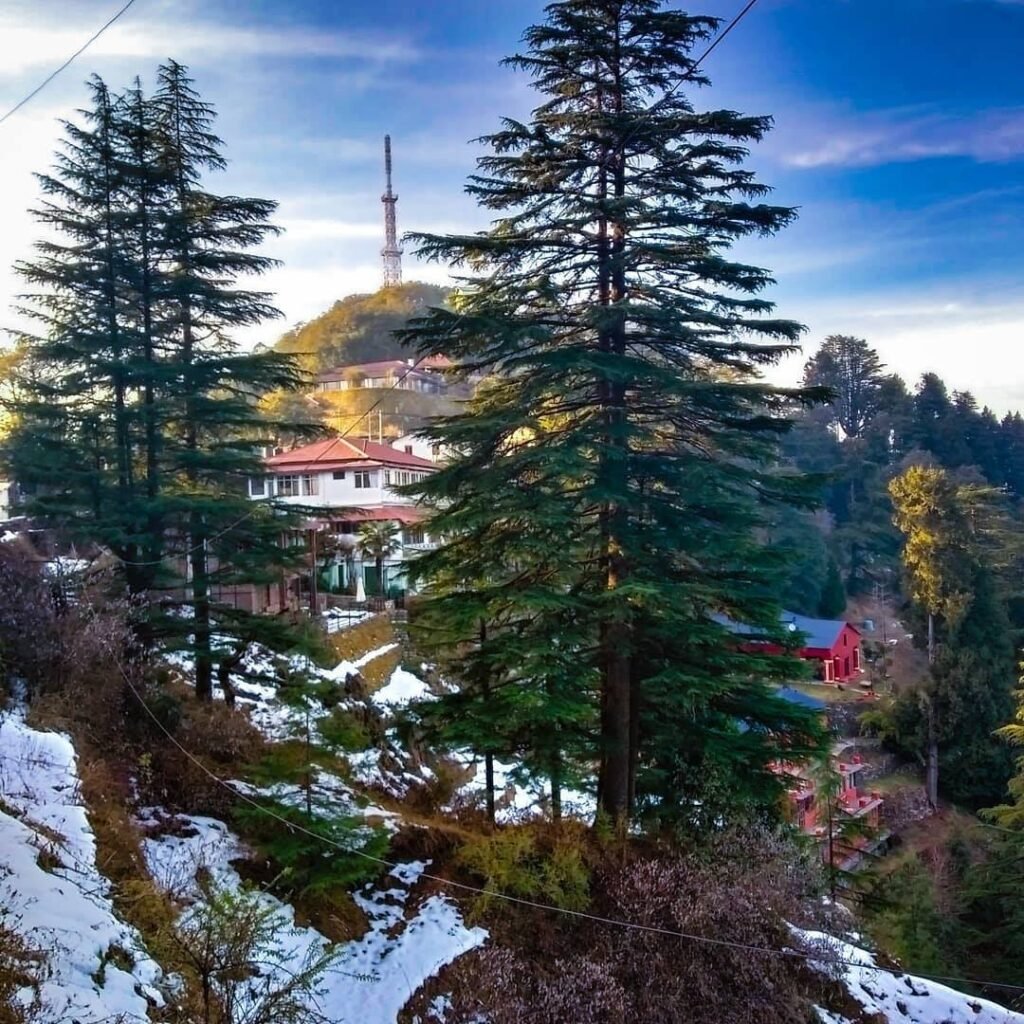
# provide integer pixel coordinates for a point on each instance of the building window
(387, 477)
(309, 482)
(856, 659)
(829, 674)
(413, 535)
(257, 486)
(362, 479)
(338, 474)
(288, 486)
(408, 449)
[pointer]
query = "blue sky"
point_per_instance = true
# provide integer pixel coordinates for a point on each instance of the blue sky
(899, 135)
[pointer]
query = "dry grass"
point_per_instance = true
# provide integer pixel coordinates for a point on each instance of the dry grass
(376, 673)
(351, 644)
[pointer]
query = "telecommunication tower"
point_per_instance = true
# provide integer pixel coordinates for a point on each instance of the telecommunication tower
(391, 254)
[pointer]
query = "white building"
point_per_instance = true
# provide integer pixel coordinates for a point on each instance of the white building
(345, 483)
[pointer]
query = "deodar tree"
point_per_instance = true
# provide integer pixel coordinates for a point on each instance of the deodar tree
(136, 411)
(610, 477)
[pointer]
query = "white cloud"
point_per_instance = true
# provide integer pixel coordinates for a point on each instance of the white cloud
(893, 136)
(973, 341)
(42, 36)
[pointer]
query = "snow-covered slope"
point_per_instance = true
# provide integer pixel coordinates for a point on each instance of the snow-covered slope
(52, 891)
(411, 936)
(902, 999)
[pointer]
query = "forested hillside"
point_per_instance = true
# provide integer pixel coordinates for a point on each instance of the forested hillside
(360, 328)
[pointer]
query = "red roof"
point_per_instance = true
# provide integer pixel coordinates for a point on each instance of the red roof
(350, 452)
(406, 514)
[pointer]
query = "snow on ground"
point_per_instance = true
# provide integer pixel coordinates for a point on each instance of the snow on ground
(401, 689)
(409, 940)
(54, 894)
(329, 795)
(900, 999)
(516, 802)
(337, 619)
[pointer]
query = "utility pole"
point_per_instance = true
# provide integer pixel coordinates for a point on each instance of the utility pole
(391, 254)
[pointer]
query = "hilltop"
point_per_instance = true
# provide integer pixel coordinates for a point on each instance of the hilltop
(360, 328)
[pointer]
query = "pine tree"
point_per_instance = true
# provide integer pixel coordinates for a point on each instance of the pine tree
(72, 449)
(215, 428)
(852, 371)
(608, 480)
(833, 594)
(138, 422)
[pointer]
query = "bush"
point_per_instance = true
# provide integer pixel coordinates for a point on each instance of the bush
(22, 969)
(743, 888)
(325, 855)
(545, 865)
(229, 947)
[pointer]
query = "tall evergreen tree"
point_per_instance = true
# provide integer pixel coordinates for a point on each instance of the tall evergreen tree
(612, 477)
(137, 415)
(852, 371)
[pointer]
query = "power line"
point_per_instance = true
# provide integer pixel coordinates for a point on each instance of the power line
(534, 904)
(49, 78)
(721, 36)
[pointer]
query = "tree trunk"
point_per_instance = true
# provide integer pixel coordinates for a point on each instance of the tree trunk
(932, 761)
(485, 688)
(613, 473)
(489, 786)
(201, 609)
(556, 785)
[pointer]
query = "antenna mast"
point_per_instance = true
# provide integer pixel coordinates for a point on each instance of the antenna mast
(391, 254)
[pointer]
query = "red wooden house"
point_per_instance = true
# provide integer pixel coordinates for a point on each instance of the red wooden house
(833, 645)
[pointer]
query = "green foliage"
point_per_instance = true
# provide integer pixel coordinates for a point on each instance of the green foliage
(320, 854)
(906, 920)
(343, 730)
(832, 603)
(613, 473)
(136, 418)
(852, 371)
(521, 862)
(360, 328)
(240, 968)
(971, 690)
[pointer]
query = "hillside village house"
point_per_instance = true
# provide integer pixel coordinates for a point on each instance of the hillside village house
(405, 375)
(345, 483)
(832, 645)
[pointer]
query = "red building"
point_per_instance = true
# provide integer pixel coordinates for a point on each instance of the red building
(833, 645)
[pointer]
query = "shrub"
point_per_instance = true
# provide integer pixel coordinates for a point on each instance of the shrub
(229, 946)
(325, 854)
(22, 969)
(527, 862)
(550, 969)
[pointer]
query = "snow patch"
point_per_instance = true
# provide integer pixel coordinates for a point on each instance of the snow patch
(407, 943)
(56, 897)
(899, 999)
(401, 690)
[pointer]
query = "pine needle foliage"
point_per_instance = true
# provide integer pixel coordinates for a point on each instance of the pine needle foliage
(136, 411)
(610, 475)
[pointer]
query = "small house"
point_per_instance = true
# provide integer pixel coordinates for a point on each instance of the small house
(831, 644)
